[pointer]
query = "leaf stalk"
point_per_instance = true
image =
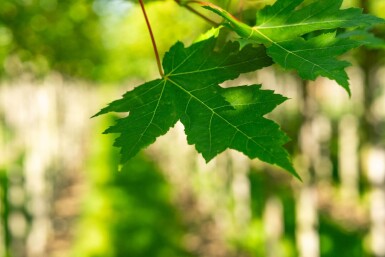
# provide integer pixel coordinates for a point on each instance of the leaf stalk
(186, 4)
(161, 73)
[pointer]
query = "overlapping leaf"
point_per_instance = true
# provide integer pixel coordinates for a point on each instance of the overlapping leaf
(215, 118)
(282, 21)
(315, 57)
(281, 28)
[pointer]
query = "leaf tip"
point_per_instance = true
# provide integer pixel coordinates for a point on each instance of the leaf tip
(347, 89)
(96, 115)
(289, 168)
(211, 33)
(296, 175)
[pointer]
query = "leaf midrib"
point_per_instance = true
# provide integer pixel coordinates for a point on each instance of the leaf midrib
(152, 118)
(287, 50)
(221, 117)
(261, 27)
(215, 68)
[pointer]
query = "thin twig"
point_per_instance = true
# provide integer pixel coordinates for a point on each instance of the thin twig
(188, 7)
(152, 39)
(203, 3)
(201, 15)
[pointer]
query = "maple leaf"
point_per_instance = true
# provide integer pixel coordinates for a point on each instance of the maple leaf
(238, 124)
(215, 118)
(282, 26)
(315, 56)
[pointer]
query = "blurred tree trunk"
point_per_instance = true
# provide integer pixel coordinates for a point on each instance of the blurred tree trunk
(370, 60)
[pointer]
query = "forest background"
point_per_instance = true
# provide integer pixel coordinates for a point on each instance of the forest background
(62, 195)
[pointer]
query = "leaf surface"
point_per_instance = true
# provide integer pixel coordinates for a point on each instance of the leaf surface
(214, 118)
(148, 105)
(287, 29)
(284, 20)
(315, 57)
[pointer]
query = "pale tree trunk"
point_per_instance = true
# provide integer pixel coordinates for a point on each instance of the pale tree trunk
(48, 122)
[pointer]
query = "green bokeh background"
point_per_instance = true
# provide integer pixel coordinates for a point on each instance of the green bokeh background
(133, 212)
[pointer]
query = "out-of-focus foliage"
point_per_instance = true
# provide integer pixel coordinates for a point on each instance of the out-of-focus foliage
(37, 36)
(377, 7)
(130, 52)
(4, 212)
(129, 213)
(99, 40)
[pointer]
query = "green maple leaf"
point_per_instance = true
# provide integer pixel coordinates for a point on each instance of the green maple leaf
(282, 26)
(215, 118)
(314, 57)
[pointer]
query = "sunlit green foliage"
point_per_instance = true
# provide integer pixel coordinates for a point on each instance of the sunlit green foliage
(38, 36)
(104, 41)
(215, 118)
(128, 42)
(307, 38)
(129, 213)
(291, 35)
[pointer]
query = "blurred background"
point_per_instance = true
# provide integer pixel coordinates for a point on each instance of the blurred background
(63, 193)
